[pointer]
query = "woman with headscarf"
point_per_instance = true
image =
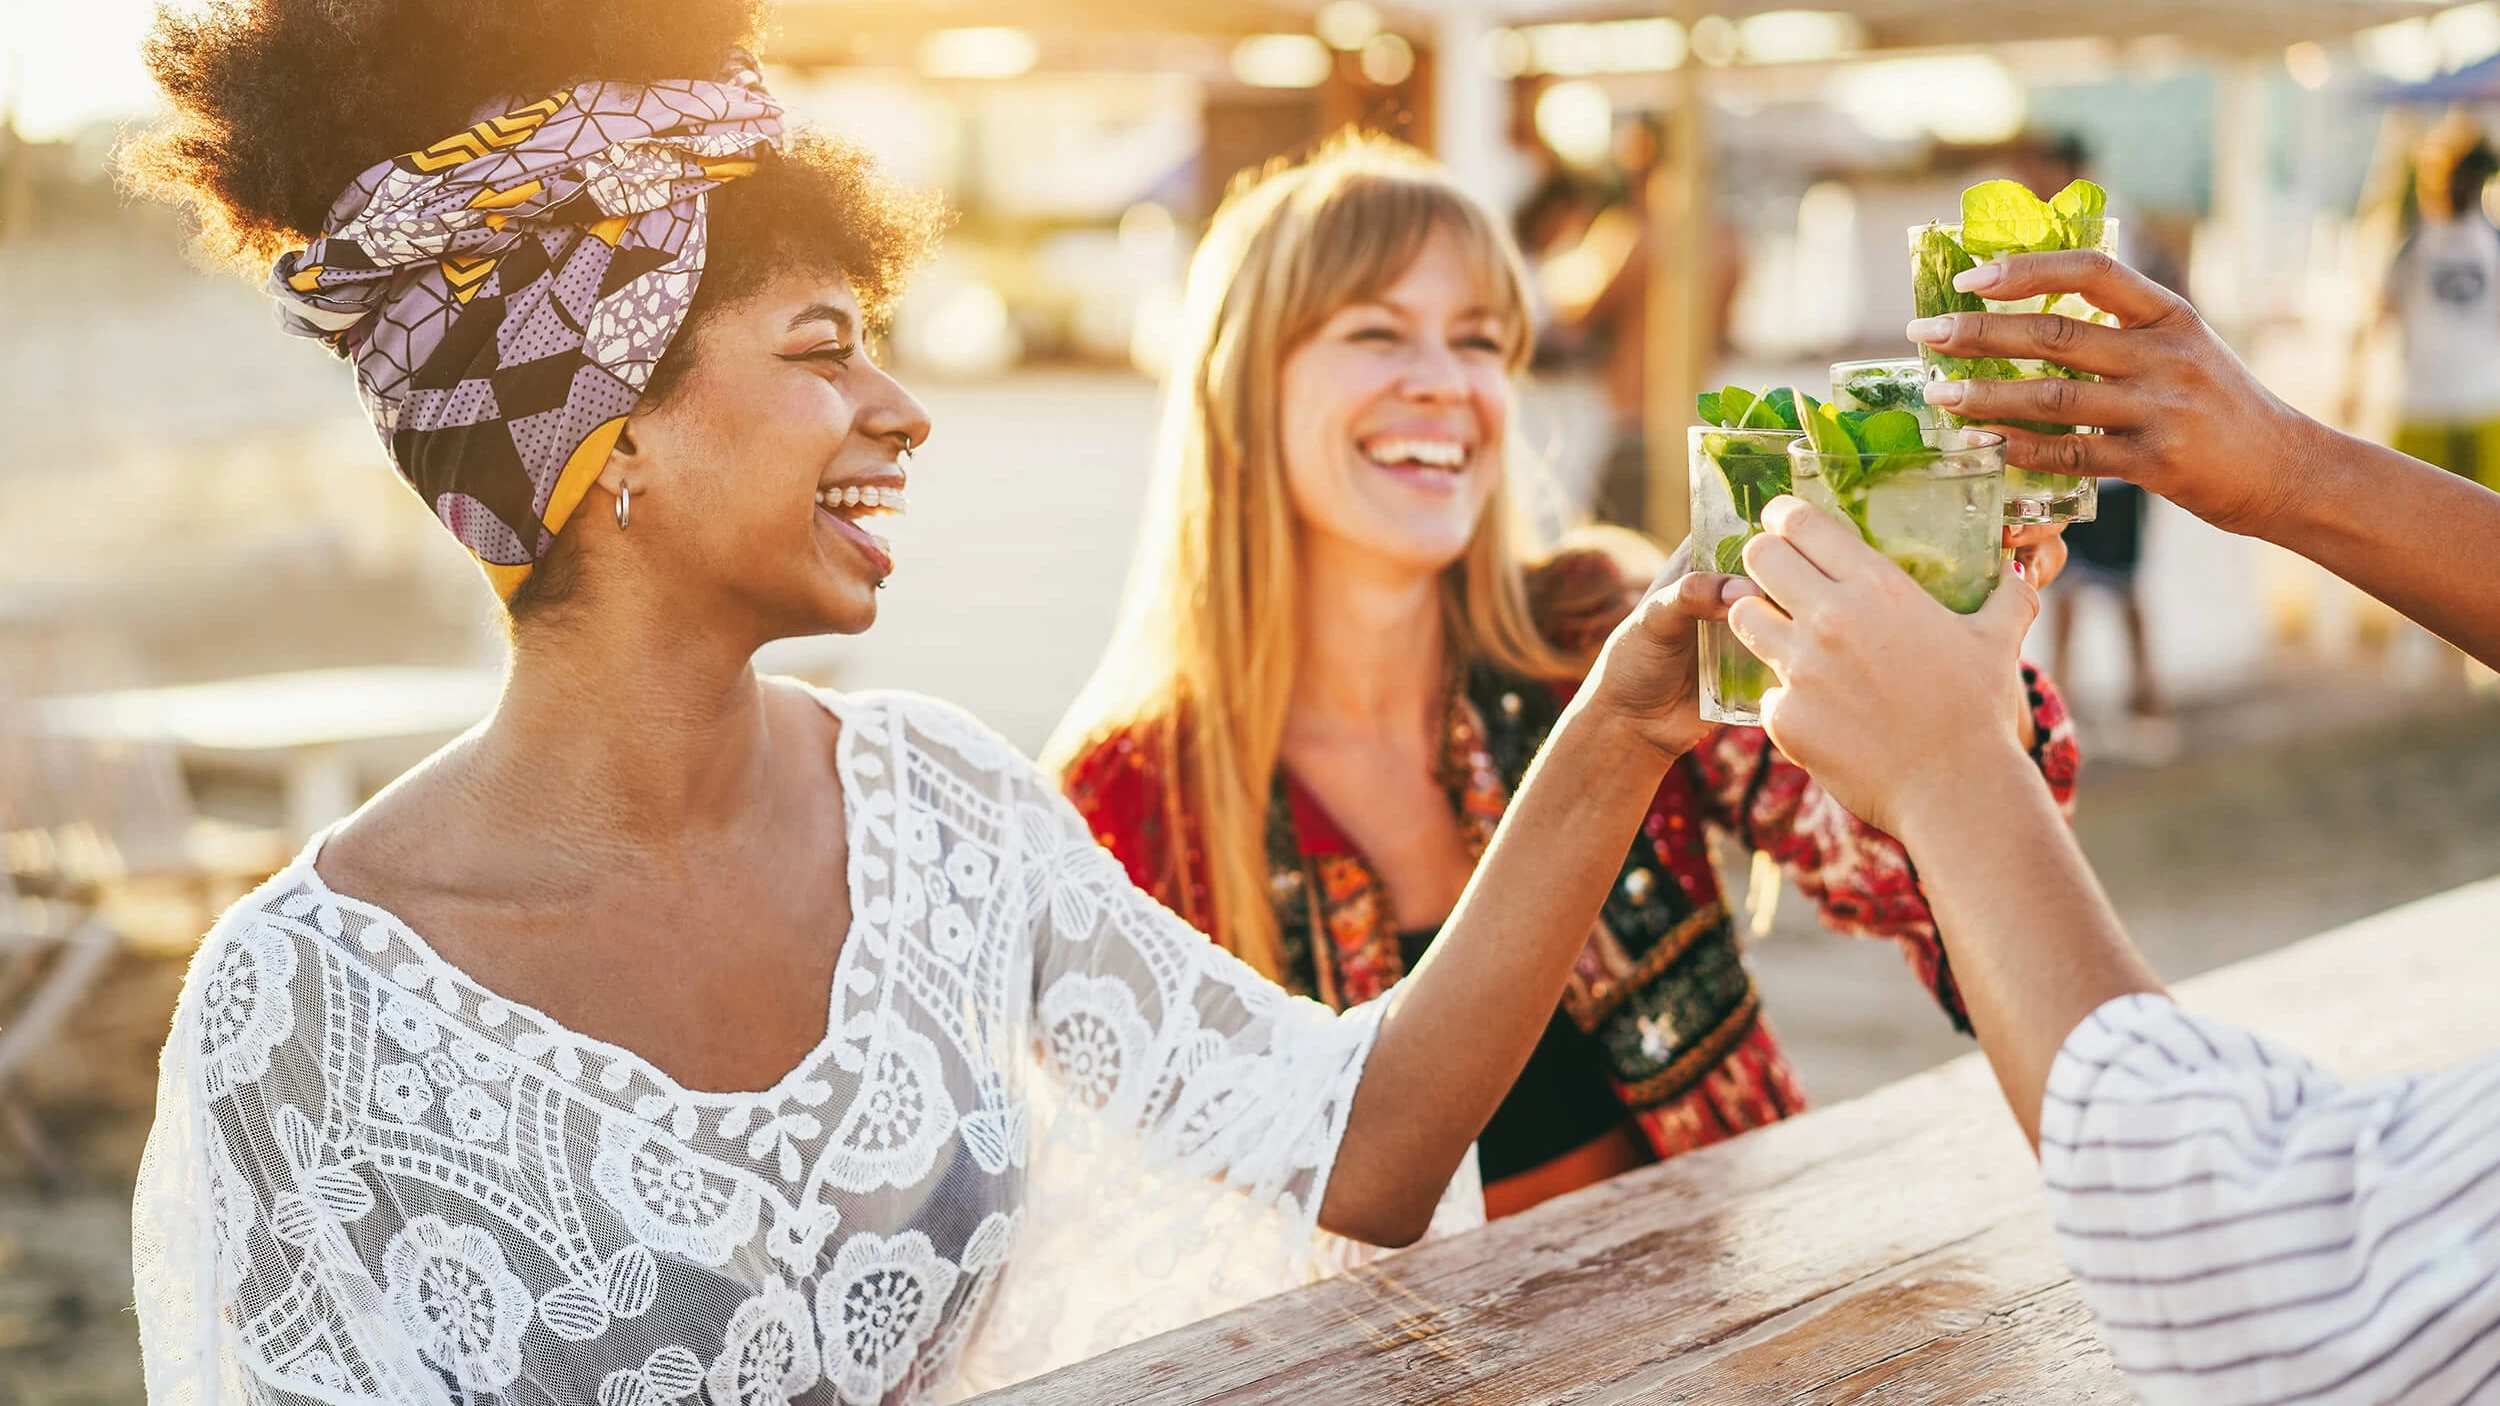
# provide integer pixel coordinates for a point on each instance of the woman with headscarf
(678, 1034)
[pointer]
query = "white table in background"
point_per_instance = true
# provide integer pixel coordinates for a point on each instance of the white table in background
(311, 723)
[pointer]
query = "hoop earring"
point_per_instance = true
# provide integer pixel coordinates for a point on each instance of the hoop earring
(624, 505)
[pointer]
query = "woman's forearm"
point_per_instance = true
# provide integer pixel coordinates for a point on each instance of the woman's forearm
(2402, 530)
(1460, 1027)
(2033, 941)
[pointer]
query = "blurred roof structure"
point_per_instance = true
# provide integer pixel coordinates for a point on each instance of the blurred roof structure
(847, 31)
(854, 31)
(2235, 26)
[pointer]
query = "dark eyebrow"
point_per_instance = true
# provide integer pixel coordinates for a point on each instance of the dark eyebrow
(840, 317)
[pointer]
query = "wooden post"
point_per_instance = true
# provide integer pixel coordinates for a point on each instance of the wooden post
(1678, 331)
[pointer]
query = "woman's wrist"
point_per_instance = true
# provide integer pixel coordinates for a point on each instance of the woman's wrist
(1965, 799)
(1623, 737)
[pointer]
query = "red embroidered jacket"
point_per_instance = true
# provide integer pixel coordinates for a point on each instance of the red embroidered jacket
(1660, 994)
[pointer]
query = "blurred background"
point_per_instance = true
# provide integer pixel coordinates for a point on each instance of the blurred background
(223, 622)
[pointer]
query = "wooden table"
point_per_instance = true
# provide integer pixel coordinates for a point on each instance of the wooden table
(1893, 1248)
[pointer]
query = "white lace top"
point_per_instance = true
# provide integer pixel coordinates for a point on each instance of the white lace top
(1047, 1117)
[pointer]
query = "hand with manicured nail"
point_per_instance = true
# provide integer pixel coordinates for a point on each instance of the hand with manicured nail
(2170, 395)
(1894, 703)
(2040, 550)
(2184, 418)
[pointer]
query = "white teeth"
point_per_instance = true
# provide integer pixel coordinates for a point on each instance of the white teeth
(855, 496)
(1433, 453)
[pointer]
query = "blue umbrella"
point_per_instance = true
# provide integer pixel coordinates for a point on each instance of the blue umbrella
(2476, 82)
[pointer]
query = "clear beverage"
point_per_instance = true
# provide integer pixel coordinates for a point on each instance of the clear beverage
(1936, 254)
(1939, 516)
(1893, 383)
(1734, 474)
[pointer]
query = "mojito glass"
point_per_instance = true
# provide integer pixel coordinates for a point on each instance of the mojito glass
(1937, 253)
(1734, 473)
(1939, 515)
(1894, 383)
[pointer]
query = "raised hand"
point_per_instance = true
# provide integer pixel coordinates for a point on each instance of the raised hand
(2186, 420)
(1648, 674)
(2182, 416)
(1893, 702)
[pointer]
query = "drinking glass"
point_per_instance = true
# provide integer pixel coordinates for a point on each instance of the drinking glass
(2030, 495)
(1892, 383)
(1734, 473)
(1939, 517)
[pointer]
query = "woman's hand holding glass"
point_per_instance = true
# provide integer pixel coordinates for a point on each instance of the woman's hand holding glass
(1895, 704)
(1648, 674)
(2182, 417)
(2179, 414)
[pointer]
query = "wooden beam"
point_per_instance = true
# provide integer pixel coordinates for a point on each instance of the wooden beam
(1678, 331)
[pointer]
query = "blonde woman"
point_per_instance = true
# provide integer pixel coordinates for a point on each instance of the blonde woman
(1336, 663)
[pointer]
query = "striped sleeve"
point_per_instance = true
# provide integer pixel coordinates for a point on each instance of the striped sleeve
(2247, 1228)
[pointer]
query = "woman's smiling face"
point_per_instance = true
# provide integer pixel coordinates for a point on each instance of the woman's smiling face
(759, 475)
(1394, 413)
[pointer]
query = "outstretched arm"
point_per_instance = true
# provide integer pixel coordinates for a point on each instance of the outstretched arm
(2185, 419)
(1457, 1030)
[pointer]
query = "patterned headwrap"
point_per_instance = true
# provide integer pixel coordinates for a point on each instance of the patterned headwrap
(505, 292)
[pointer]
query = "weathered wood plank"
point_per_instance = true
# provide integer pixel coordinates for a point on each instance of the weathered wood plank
(1891, 1249)
(1633, 1273)
(1996, 1307)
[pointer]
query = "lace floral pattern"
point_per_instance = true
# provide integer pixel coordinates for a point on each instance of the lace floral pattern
(1045, 1117)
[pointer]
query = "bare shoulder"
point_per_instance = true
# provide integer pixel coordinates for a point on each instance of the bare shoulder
(407, 841)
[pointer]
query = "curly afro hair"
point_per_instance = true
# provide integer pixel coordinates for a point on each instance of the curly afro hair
(275, 106)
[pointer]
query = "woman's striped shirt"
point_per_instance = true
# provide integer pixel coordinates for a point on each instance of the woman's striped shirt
(2248, 1228)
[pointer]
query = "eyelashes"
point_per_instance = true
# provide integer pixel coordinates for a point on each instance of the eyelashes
(837, 354)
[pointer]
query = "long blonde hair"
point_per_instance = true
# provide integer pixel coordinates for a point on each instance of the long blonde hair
(1201, 663)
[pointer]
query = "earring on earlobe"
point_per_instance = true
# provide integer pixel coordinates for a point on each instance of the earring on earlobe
(624, 505)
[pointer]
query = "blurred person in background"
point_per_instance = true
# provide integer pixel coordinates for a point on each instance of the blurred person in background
(677, 1030)
(2443, 294)
(1340, 653)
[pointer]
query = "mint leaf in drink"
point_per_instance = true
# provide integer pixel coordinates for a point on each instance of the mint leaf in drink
(1754, 477)
(1707, 406)
(1731, 553)
(1891, 432)
(1765, 415)
(1885, 390)
(2080, 209)
(1931, 283)
(2004, 217)
(1783, 408)
(1825, 429)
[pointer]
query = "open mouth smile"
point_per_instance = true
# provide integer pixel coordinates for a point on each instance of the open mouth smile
(1430, 461)
(845, 507)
